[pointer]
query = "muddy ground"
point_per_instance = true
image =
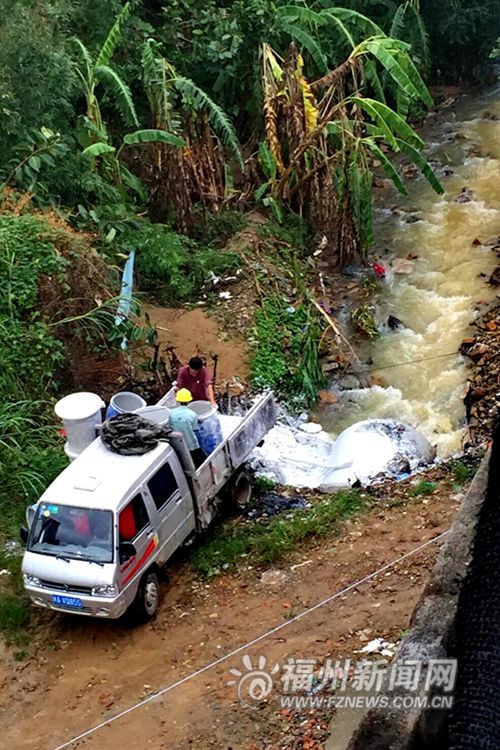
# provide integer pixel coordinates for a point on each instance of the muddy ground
(81, 672)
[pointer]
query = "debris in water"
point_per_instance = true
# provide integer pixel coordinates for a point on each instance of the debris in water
(466, 196)
(379, 270)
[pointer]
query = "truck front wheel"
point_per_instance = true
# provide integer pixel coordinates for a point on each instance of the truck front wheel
(146, 600)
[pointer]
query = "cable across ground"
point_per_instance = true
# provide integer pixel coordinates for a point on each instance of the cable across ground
(249, 644)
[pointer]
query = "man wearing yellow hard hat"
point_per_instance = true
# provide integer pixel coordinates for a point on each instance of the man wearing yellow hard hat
(184, 420)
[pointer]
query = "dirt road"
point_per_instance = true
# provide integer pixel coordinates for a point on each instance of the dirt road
(82, 672)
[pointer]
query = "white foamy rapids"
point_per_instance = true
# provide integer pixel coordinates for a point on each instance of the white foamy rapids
(436, 301)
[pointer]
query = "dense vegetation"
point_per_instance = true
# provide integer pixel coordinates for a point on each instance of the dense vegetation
(185, 104)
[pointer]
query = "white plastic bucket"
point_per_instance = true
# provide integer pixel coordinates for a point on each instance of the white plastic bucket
(80, 414)
(157, 414)
(124, 402)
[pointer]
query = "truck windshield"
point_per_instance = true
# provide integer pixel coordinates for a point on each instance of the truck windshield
(69, 532)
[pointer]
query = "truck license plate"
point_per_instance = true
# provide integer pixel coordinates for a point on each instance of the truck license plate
(66, 601)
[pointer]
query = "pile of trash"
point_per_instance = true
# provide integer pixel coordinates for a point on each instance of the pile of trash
(272, 504)
(368, 451)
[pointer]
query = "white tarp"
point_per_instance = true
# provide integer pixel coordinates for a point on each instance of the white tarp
(368, 449)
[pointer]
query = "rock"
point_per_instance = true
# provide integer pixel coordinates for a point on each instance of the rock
(494, 279)
(328, 397)
(377, 380)
(466, 195)
(476, 394)
(477, 352)
(476, 242)
(330, 366)
(394, 323)
(469, 341)
(349, 383)
(312, 428)
(274, 578)
(402, 265)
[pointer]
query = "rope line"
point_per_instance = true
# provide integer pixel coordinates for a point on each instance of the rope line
(251, 643)
(408, 362)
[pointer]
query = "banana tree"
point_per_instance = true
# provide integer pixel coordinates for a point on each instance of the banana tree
(96, 74)
(199, 172)
(322, 138)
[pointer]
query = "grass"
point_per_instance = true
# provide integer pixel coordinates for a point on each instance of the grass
(423, 488)
(15, 617)
(269, 541)
(462, 472)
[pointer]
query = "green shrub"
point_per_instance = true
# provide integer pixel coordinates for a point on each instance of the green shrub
(217, 228)
(172, 267)
(462, 472)
(423, 488)
(26, 252)
(285, 354)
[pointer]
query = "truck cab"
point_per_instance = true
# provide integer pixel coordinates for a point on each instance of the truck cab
(104, 522)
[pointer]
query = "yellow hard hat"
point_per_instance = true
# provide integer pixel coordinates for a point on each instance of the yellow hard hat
(183, 396)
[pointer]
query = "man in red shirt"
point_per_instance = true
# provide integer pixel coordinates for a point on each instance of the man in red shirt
(195, 377)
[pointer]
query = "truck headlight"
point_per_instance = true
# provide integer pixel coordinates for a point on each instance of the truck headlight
(110, 590)
(30, 580)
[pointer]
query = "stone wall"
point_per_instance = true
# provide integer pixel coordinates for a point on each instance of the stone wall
(437, 632)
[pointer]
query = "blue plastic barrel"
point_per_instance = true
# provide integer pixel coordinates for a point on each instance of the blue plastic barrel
(124, 402)
(209, 431)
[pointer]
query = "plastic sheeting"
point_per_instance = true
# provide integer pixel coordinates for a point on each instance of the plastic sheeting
(371, 449)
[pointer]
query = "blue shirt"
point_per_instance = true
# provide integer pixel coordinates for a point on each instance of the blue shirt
(182, 419)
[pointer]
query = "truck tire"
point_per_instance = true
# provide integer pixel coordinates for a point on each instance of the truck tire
(238, 492)
(146, 600)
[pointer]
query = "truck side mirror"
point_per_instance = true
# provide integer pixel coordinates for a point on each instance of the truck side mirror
(126, 550)
(30, 515)
(23, 533)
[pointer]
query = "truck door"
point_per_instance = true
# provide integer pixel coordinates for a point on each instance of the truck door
(174, 505)
(134, 525)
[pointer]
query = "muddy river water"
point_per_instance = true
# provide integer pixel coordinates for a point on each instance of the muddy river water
(436, 300)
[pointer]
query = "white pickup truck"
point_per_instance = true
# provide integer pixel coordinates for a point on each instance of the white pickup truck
(99, 535)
